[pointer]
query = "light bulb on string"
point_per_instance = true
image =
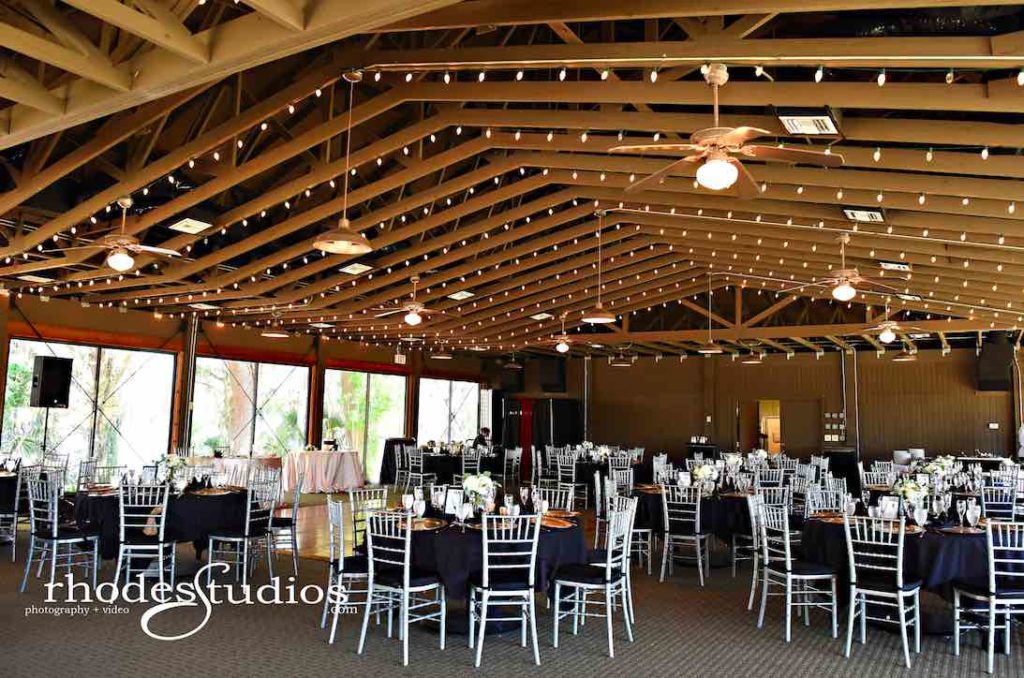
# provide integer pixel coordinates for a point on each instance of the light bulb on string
(881, 78)
(819, 74)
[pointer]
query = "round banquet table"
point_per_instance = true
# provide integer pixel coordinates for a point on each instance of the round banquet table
(455, 554)
(322, 471)
(446, 466)
(190, 517)
(8, 489)
(933, 557)
(722, 515)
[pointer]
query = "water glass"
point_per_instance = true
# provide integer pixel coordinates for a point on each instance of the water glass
(407, 501)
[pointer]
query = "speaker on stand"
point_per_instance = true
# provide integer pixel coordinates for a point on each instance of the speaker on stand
(51, 386)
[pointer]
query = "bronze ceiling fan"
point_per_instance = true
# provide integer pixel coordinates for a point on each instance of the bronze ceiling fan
(713, 149)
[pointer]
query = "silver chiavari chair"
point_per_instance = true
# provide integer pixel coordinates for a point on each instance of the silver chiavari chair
(470, 465)
(65, 547)
(284, 529)
(347, 576)
(620, 462)
(394, 584)
(556, 497)
(506, 581)
(511, 467)
(143, 517)
(820, 500)
(1003, 477)
(777, 496)
(604, 492)
(999, 503)
(1000, 596)
(802, 582)
(681, 513)
(834, 484)
(883, 467)
(90, 474)
(9, 513)
(362, 502)
(755, 506)
(875, 549)
(567, 477)
(242, 548)
(401, 456)
(609, 578)
(769, 477)
(417, 475)
(623, 479)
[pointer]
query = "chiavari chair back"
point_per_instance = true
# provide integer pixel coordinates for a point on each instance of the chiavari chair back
(681, 515)
(999, 502)
(362, 503)
(64, 547)
(143, 519)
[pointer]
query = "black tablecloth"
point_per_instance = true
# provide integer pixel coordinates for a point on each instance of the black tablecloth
(189, 518)
(455, 555)
(722, 516)
(445, 466)
(8, 489)
(387, 464)
(935, 558)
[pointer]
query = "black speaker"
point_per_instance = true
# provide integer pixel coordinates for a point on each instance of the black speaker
(994, 372)
(51, 381)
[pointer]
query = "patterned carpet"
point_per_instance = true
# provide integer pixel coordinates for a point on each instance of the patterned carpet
(682, 630)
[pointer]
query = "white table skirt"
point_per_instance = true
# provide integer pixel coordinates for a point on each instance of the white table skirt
(235, 470)
(323, 471)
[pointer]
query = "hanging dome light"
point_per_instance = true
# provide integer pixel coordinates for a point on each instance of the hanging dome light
(274, 334)
(752, 359)
(120, 260)
(597, 315)
(343, 240)
(905, 356)
(413, 318)
(562, 346)
(709, 347)
(844, 291)
(717, 174)
(441, 356)
(887, 336)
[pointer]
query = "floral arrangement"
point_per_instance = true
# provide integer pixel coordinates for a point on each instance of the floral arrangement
(171, 463)
(940, 465)
(733, 459)
(587, 445)
(704, 473)
(911, 491)
(760, 453)
(479, 489)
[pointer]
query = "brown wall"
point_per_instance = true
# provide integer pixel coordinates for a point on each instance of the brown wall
(931, 403)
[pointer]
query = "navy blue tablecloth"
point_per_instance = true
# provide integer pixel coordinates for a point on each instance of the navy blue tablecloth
(723, 515)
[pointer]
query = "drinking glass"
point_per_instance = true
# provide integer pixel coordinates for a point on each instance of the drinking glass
(419, 507)
(973, 515)
(509, 500)
(961, 508)
(407, 501)
(921, 516)
(417, 493)
(543, 506)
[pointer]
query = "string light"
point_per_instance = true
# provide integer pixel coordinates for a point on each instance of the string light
(877, 155)
(819, 74)
(984, 153)
(562, 73)
(929, 155)
(881, 78)
(482, 76)
(654, 75)
(447, 77)
(950, 76)
(1020, 78)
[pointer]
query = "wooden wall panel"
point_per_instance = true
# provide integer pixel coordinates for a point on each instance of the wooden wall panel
(931, 403)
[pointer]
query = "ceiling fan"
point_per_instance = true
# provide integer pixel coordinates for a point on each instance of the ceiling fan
(414, 310)
(844, 281)
(121, 245)
(713, 149)
(889, 329)
(561, 341)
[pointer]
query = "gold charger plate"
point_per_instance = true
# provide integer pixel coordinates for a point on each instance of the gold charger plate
(652, 490)
(211, 492)
(102, 493)
(961, 530)
(7, 474)
(425, 524)
(822, 515)
(556, 523)
(832, 520)
(562, 513)
(879, 488)
(736, 495)
(646, 486)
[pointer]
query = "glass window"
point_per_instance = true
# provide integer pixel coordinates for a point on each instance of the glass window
(281, 415)
(119, 406)
(361, 411)
(449, 411)
(223, 402)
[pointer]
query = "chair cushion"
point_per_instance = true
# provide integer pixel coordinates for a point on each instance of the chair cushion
(979, 587)
(885, 582)
(71, 531)
(580, 573)
(357, 564)
(240, 534)
(392, 576)
(282, 521)
(502, 581)
(804, 568)
(597, 557)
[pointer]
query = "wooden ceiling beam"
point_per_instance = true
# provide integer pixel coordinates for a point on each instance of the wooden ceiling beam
(156, 25)
(527, 12)
(284, 12)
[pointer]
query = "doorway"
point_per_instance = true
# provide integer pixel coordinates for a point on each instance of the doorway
(769, 425)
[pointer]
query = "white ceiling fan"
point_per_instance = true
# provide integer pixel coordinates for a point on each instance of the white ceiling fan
(844, 281)
(561, 341)
(414, 310)
(714, 147)
(121, 245)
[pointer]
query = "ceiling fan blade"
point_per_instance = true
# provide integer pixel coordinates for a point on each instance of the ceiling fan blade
(741, 135)
(385, 314)
(72, 249)
(649, 148)
(746, 187)
(157, 250)
(793, 155)
(430, 311)
(660, 175)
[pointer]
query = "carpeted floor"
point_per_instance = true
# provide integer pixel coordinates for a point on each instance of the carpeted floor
(682, 630)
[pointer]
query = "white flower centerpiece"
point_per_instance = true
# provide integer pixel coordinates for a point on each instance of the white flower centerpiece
(480, 490)
(760, 453)
(912, 493)
(705, 475)
(587, 445)
(941, 466)
(171, 463)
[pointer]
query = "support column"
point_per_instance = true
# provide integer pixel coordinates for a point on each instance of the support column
(412, 393)
(184, 386)
(315, 418)
(5, 344)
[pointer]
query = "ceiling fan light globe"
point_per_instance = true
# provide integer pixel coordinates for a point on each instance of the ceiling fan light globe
(562, 347)
(887, 336)
(844, 291)
(717, 174)
(120, 260)
(413, 318)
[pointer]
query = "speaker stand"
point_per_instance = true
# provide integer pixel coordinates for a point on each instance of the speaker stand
(46, 427)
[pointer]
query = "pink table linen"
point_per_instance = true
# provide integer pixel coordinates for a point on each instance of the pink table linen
(323, 471)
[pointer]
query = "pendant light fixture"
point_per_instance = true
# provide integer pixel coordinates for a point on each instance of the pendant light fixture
(905, 356)
(844, 289)
(709, 347)
(343, 239)
(597, 315)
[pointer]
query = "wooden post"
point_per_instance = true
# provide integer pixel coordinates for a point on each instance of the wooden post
(184, 386)
(315, 418)
(5, 344)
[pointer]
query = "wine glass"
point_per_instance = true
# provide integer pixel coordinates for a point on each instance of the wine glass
(417, 493)
(514, 510)
(419, 507)
(973, 515)
(524, 495)
(543, 506)
(407, 502)
(961, 508)
(509, 500)
(921, 516)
